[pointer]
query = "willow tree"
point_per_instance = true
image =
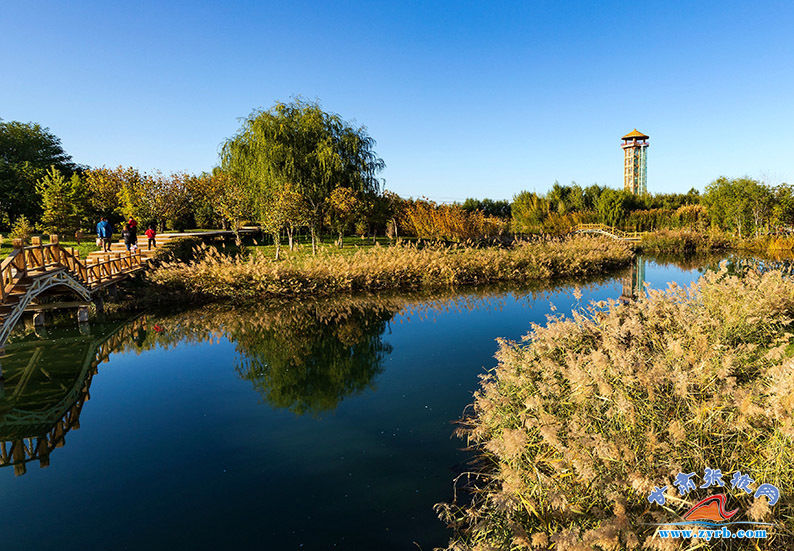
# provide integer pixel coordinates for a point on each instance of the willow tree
(299, 145)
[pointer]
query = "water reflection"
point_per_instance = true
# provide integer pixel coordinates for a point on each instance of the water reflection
(310, 364)
(305, 357)
(633, 282)
(45, 384)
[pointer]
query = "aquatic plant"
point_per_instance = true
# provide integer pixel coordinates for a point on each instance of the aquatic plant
(683, 241)
(215, 275)
(578, 424)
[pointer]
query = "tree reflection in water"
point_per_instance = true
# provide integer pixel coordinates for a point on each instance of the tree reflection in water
(308, 356)
(310, 365)
(305, 356)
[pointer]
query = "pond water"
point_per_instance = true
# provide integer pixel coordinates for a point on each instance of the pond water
(323, 425)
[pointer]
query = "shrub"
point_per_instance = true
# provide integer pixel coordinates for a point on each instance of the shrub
(22, 229)
(428, 220)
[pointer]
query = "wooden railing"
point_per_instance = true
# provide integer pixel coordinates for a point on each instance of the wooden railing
(40, 258)
(603, 228)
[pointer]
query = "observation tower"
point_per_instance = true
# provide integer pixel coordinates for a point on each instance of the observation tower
(635, 162)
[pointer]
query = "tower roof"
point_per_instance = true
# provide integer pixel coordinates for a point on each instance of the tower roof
(635, 134)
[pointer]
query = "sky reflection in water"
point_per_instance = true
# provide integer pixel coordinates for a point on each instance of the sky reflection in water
(318, 426)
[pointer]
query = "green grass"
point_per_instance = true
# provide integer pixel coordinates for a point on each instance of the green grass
(304, 246)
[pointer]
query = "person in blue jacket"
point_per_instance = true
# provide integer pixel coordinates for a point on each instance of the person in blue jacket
(104, 232)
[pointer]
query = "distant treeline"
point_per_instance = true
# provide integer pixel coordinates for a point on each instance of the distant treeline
(327, 184)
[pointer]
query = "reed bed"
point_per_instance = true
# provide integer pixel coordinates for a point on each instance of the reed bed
(582, 419)
(217, 276)
(683, 241)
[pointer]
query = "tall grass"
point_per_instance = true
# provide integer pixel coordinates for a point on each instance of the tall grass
(578, 423)
(397, 267)
(683, 242)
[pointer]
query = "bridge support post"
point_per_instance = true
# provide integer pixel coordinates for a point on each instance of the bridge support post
(99, 302)
(82, 314)
(39, 319)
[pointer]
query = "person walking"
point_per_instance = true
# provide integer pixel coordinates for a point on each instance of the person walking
(125, 235)
(104, 232)
(133, 235)
(151, 234)
(130, 237)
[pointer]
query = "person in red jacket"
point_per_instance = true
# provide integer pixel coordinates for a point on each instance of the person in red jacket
(151, 234)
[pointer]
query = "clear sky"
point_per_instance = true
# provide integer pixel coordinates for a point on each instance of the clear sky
(464, 98)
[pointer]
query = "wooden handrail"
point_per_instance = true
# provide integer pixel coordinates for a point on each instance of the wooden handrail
(6, 274)
(21, 261)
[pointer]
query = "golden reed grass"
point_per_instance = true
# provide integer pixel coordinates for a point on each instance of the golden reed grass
(396, 267)
(578, 423)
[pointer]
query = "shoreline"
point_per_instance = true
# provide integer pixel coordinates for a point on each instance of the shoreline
(214, 276)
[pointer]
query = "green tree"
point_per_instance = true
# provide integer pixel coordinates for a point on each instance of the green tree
(613, 206)
(343, 209)
(590, 196)
(27, 151)
(528, 212)
(489, 207)
(64, 202)
(741, 205)
(559, 198)
(783, 210)
(22, 229)
(284, 210)
(300, 144)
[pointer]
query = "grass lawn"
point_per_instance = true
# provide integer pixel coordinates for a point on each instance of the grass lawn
(304, 246)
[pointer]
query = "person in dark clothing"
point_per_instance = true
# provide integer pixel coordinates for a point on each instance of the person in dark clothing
(130, 237)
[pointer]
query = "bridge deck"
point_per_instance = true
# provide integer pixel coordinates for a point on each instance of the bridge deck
(40, 268)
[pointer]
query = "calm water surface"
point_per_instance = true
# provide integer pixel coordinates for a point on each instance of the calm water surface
(316, 426)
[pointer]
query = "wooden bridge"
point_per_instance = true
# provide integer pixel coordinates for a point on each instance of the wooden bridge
(609, 231)
(40, 270)
(45, 270)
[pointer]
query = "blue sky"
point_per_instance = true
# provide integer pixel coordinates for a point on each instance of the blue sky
(464, 98)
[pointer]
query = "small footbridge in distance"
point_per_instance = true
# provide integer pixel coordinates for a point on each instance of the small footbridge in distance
(609, 231)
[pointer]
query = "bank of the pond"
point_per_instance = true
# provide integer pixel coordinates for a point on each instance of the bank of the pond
(217, 276)
(578, 425)
(682, 241)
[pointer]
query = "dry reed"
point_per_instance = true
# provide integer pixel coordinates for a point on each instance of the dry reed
(578, 423)
(396, 267)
